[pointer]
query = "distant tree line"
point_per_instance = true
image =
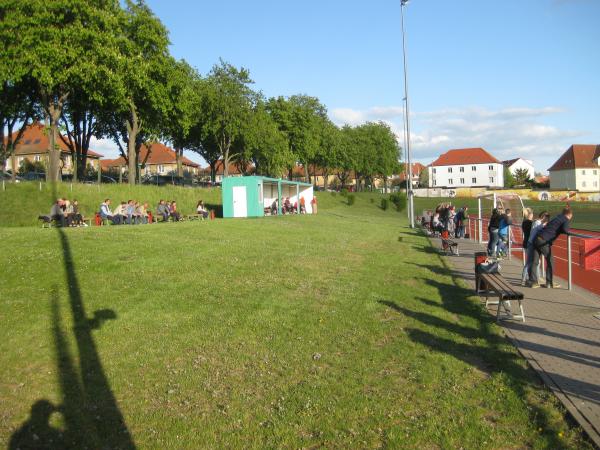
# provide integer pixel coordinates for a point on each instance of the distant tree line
(102, 68)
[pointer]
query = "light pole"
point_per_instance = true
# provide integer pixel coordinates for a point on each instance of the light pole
(411, 209)
(406, 177)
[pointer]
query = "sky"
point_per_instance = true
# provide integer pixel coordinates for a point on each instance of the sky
(518, 78)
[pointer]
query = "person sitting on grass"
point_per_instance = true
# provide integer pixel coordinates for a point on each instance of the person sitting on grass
(141, 212)
(130, 213)
(57, 213)
(201, 209)
(162, 210)
(174, 213)
(120, 212)
(107, 214)
(77, 217)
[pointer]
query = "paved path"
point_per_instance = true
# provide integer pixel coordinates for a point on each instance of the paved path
(560, 338)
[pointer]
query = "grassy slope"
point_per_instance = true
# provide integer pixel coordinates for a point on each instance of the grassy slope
(23, 203)
(287, 332)
(586, 215)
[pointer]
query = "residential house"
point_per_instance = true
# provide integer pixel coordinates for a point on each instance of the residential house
(466, 167)
(417, 168)
(233, 169)
(162, 160)
(519, 164)
(34, 144)
(578, 169)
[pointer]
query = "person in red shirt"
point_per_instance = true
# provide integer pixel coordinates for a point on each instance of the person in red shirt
(302, 205)
(313, 202)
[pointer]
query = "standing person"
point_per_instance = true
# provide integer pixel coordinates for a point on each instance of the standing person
(493, 227)
(533, 257)
(504, 232)
(460, 219)
(546, 237)
(526, 226)
(302, 205)
(313, 203)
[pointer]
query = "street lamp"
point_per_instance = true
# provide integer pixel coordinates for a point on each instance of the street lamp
(411, 208)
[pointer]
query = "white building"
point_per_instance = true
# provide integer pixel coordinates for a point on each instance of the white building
(578, 169)
(466, 167)
(519, 164)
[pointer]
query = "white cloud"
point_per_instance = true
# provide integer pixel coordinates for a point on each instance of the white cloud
(507, 133)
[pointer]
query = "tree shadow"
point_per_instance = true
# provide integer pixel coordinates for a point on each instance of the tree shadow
(91, 414)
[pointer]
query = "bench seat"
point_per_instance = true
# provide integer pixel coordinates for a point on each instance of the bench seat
(494, 284)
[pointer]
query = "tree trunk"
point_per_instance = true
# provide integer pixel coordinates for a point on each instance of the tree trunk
(53, 175)
(132, 132)
(179, 159)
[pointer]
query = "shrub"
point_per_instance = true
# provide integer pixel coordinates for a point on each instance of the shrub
(333, 193)
(372, 200)
(344, 192)
(384, 203)
(351, 199)
(398, 199)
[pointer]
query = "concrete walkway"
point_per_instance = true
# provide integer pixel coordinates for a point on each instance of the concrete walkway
(560, 337)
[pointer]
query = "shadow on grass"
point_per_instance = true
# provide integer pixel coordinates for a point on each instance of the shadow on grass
(91, 414)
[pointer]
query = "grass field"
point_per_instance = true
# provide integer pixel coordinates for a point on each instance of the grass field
(342, 330)
(586, 216)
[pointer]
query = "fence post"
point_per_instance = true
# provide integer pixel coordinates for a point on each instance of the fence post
(479, 223)
(509, 243)
(570, 280)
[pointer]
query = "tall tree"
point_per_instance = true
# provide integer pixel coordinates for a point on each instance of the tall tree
(328, 155)
(522, 177)
(60, 44)
(142, 103)
(301, 118)
(184, 95)
(228, 102)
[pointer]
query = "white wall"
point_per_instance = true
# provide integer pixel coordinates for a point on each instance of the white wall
(488, 175)
(583, 180)
(523, 164)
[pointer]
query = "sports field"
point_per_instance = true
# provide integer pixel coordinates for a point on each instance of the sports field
(341, 330)
(586, 215)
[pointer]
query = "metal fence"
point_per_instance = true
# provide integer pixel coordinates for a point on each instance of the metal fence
(566, 253)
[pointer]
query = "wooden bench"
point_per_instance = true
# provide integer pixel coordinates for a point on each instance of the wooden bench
(450, 246)
(194, 217)
(494, 284)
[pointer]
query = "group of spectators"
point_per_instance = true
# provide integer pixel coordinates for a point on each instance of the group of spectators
(66, 213)
(538, 238)
(135, 213)
(288, 208)
(445, 217)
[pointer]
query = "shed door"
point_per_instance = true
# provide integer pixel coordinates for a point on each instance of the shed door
(240, 208)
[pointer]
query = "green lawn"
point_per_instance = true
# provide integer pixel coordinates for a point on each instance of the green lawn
(342, 330)
(585, 215)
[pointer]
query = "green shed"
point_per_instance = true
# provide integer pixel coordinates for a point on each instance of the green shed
(257, 196)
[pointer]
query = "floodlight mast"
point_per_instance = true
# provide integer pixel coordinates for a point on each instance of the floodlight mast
(411, 209)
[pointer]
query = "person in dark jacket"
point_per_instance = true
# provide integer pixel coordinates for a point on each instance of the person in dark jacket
(544, 240)
(493, 228)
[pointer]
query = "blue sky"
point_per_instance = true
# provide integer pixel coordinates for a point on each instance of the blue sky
(519, 78)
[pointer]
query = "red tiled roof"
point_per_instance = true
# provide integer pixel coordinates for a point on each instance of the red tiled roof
(233, 169)
(159, 154)
(464, 156)
(578, 156)
(417, 168)
(35, 141)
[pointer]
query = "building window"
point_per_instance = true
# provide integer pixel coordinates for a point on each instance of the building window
(161, 168)
(434, 182)
(583, 172)
(462, 169)
(491, 167)
(473, 168)
(583, 184)
(595, 184)
(450, 181)
(595, 172)
(491, 179)
(37, 158)
(462, 181)
(474, 180)
(433, 170)
(449, 169)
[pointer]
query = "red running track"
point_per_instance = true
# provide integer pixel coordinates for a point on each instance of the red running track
(587, 279)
